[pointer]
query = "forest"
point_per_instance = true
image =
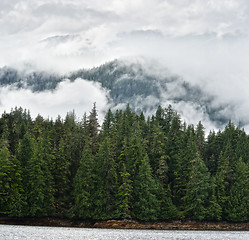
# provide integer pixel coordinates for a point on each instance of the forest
(130, 167)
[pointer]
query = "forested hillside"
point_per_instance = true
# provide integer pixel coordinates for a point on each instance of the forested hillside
(143, 88)
(158, 168)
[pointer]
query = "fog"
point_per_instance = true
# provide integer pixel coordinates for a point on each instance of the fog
(204, 42)
(78, 96)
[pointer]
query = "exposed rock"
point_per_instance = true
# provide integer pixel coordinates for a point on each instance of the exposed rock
(127, 224)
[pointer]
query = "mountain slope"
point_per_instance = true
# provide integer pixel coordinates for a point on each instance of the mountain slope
(141, 86)
(144, 90)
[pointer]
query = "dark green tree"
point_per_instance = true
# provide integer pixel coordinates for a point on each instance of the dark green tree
(105, 197)
(198, 190)
(124, 194)
(39, 186)
(61, 178)
(84, 185)
(238, 199)
(146, 204)
(214, 210)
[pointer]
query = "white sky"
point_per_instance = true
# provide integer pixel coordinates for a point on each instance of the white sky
(206, 42)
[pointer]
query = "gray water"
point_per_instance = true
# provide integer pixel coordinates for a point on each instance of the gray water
(11, 232)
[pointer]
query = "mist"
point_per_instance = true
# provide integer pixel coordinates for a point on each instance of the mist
(205, 43)
(78, 96)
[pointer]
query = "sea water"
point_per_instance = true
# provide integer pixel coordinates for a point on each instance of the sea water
(14, 232)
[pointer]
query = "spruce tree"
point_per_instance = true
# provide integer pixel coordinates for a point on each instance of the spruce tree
(61, 180)
(183, 165)
(146, 204)
(198, 190)
(93, 129)
(84, 185)
(214, 210)
(5, 180)
(39, 186)
(105, 197)
(238, 199)
(124, 194)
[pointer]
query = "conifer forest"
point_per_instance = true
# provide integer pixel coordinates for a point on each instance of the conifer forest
(129, 167)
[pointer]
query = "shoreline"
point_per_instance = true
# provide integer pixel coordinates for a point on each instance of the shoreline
(127, 224)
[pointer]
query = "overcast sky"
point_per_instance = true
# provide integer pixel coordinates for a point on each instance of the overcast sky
(206, 42)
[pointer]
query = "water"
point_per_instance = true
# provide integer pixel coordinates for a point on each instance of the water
(11, 232)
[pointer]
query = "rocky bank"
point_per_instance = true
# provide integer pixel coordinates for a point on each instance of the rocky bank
(127, 224)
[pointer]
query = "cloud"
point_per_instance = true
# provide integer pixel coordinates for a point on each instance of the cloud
(103, 27)
(78, 96)
(205, 42)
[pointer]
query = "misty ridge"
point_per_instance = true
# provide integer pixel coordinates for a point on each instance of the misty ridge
(141, 85)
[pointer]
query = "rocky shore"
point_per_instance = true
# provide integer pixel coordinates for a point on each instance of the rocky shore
(127, 224)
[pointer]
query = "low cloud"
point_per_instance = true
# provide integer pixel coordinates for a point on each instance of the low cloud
(77, 96)
(205, 42)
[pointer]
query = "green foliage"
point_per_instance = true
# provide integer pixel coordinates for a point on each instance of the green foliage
(61, 181)
(124, 194)
(159, 169)
(84, 185)
(40, 197)
(214, 210)
(146, 204)
(198, 190)
(238, 199)
(106, 182)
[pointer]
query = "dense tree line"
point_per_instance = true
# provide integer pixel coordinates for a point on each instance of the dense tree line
(158, 168)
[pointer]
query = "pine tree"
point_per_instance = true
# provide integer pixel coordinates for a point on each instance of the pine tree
(157, 152)
(84, 185)
(184, 159)
(200, 135)
(93, 129)
(106, 184)
(39, 186)
(146, 205)
(124, 194)
(11, 189)
(107, 124)
(5, 179)
(214, 210)
(17, 200)
(198, 190)
(223, 178)
(60, 170)
(167, 209)
(238, 199)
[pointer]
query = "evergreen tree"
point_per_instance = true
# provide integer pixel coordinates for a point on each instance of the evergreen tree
(198, 190)
(214, 210)
(17, 200)
(157, 152)
(200, 135)
(238, 199)
(5, 179)
(183, 166)
(224, 178)
(106, 182)
(124, 194)
(157, 169)
(39, 186)
(11, 198)
(60, 170)
(145, 205)
(93, 128)
(84, 185)
(107, 124)
(211, 152)
(167, 209)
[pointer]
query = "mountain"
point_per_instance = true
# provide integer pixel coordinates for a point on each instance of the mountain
(142, 87)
